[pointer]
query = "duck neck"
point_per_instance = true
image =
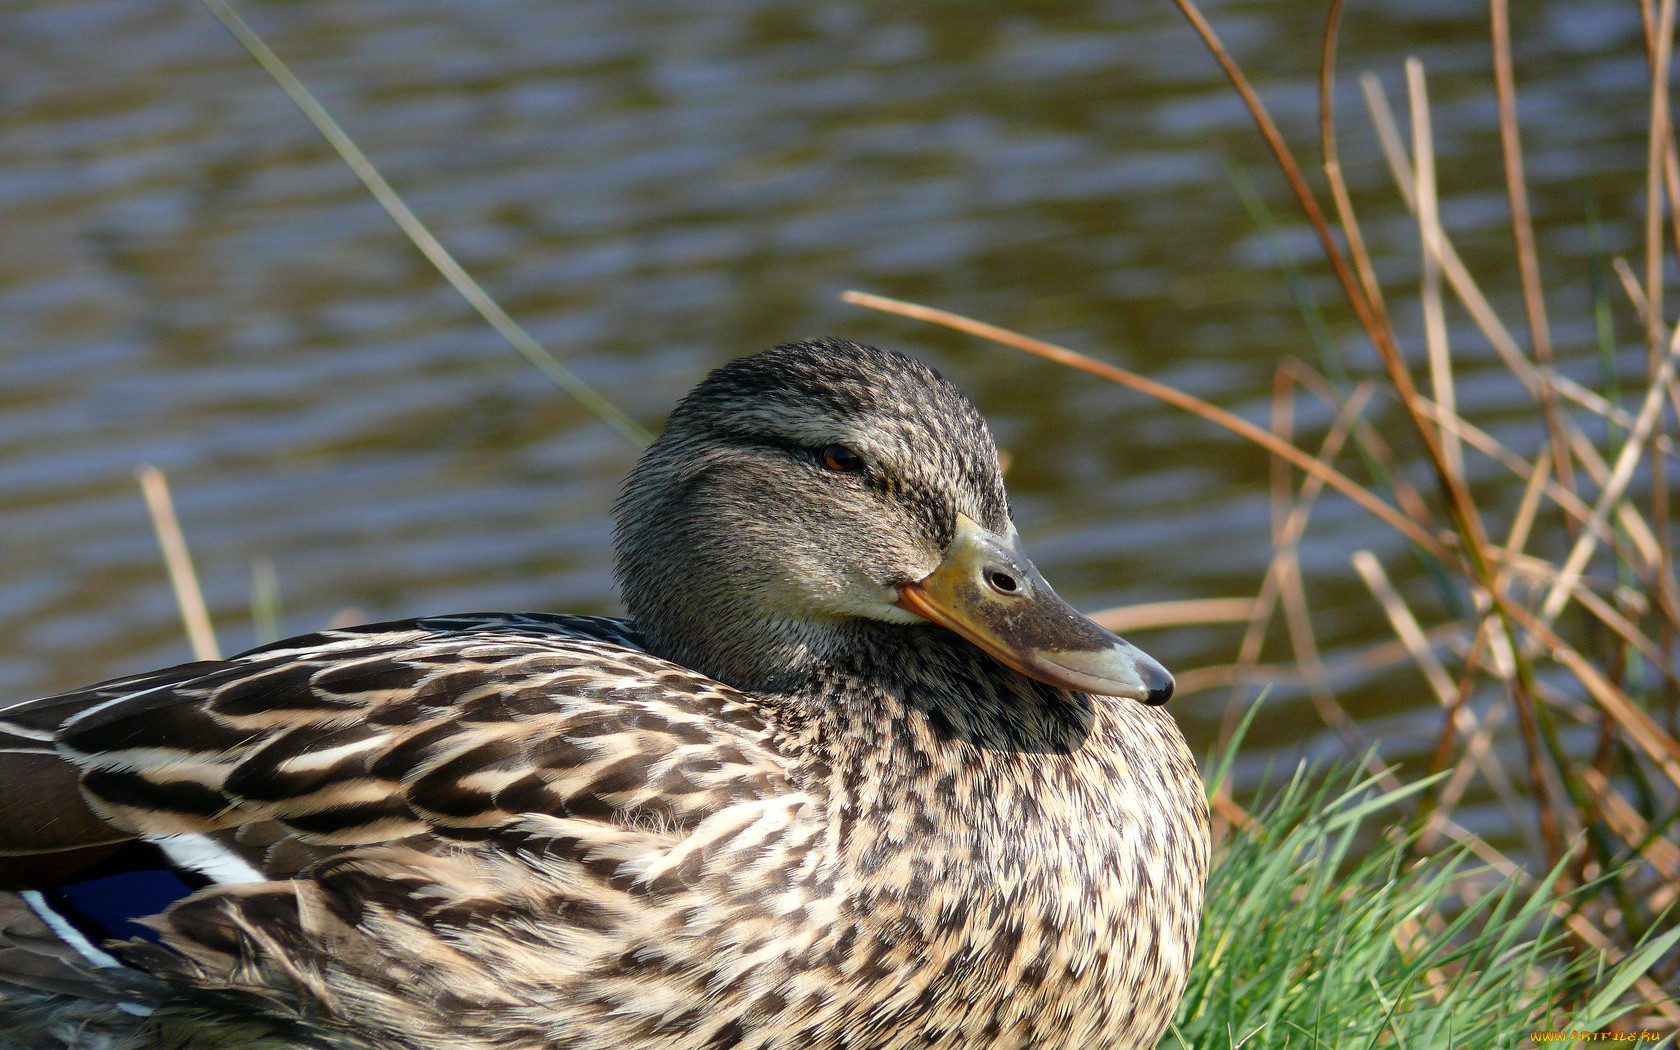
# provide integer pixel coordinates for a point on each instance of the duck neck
(765, 656)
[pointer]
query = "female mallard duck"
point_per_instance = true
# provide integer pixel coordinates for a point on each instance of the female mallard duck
(776, 808)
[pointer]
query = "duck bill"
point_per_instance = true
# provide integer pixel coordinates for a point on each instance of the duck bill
(987, 591)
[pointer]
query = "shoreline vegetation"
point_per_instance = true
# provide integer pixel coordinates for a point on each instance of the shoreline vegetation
(1349, 908)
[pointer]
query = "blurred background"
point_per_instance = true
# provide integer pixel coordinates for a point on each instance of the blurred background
(190, 278)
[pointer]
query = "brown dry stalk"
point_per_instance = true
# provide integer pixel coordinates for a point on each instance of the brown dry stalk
(189, 598)
(1660, 853)
(1280, 149)
(1566, 501)
(1449, 468)
(1333, 168)
(1460, 505)
(1621, 474)
(1429, 295)
(1292, 593)
(1370, 441)
(1522, 232)
(1662, 748)
(1190, 612)
(1450, 694)
(1659, 35)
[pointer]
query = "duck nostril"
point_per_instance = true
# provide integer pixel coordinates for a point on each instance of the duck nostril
(1002, 582)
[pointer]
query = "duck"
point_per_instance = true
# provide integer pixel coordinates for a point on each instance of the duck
(849, 776)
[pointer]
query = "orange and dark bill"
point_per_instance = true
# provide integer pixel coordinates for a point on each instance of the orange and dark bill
(987, 591)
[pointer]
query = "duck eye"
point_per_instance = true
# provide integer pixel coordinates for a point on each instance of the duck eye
(841, 459)
(1002, 582)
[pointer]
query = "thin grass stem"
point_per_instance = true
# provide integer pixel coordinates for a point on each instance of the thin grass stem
(189, 597)
(1429, 225)
(421, 236)
(1522, 232)
(1616, 485)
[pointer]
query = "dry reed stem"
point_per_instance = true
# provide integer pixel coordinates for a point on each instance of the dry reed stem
(1671, 158)
(1545, 571)
(1615, 486)
(1660, 36)
(1303, 642)
(1630, 285)
(1516, 188)
(1216, 676)
(1369, 439)
(1429, 295)
(1537, 736)
(1280, 149)
(1660, 853)
(1476, 303)
(1536, 381)
(1598, 406)
(1254, 635)
(1660, 45)
(1281, 479)
(1190, 612)
(1522, 233)
(1481, 312)
(1406, 627)
(1522, 687)
(1333, 168)
(1490, 446)
(1459, 504)
(189, 598)
(1603, 612)
(1283, 574)
(1451, 696)
(1528, 509)
(1658, 745)
(1465, 766)
(1627, 515)
(1365, 663)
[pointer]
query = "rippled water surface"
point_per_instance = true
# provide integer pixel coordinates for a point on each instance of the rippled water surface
(190, 278)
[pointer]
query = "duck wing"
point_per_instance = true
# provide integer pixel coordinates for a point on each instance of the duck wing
(451, 728)
(399, 806)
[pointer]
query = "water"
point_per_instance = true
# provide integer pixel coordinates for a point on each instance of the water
(189, 278)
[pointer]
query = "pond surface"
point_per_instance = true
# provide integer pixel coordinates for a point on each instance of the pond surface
(190, 278)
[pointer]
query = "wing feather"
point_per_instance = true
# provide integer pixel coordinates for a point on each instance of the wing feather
(450, 727)
(464, 813)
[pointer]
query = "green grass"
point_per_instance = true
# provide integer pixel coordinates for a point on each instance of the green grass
(1323, 929)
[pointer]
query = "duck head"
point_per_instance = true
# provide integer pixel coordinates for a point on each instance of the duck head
(801, 497)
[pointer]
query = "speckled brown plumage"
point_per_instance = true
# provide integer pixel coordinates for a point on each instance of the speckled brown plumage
(771, 813)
